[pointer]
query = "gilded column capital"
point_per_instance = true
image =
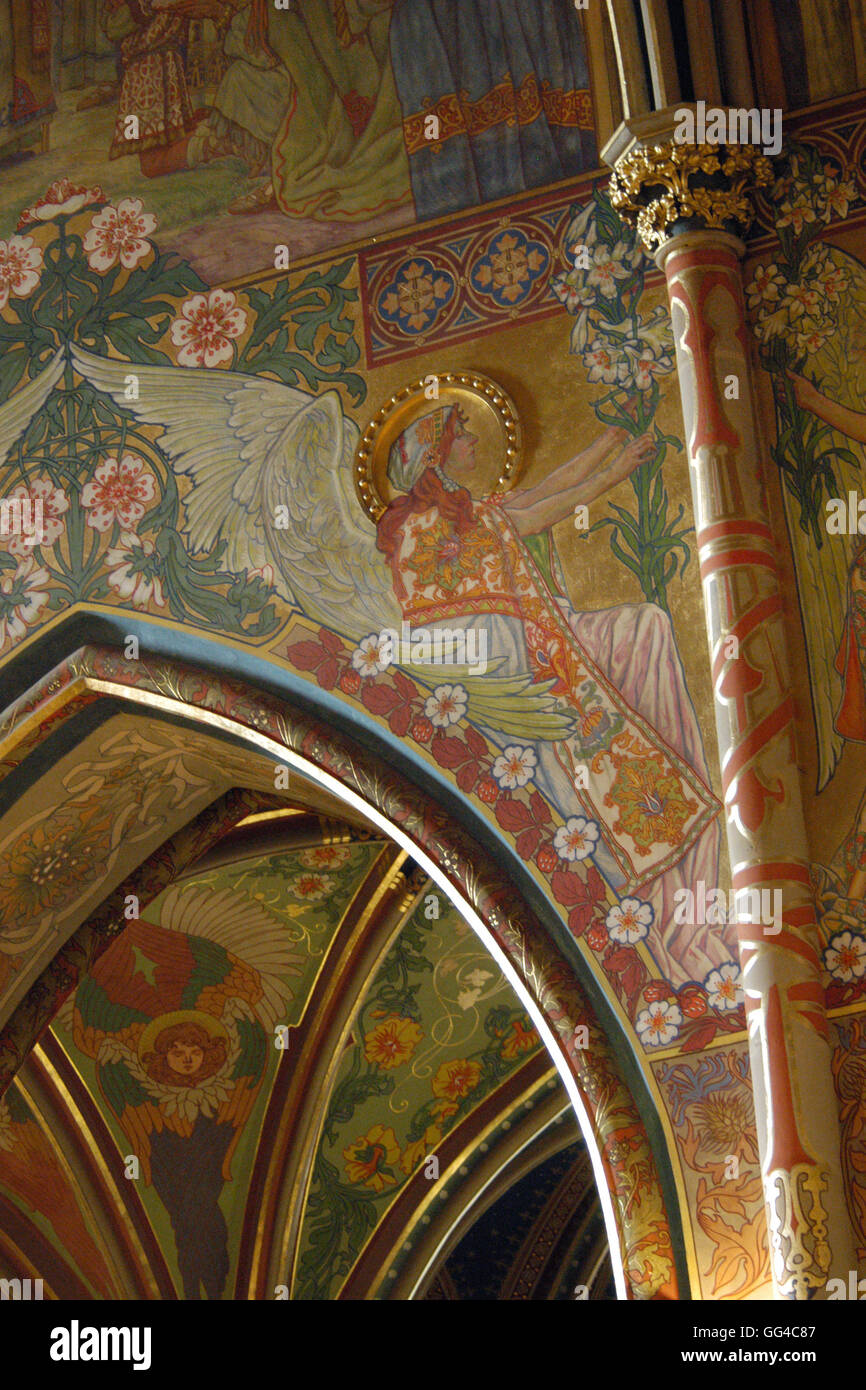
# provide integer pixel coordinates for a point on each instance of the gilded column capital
(669, 188)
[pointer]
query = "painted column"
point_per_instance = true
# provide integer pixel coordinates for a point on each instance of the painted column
(687, 202)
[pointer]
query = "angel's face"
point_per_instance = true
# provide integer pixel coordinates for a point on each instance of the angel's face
(185, 1059)
(460, 464)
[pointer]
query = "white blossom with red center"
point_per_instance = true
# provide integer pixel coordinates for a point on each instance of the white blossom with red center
(795, 213)
(447, 705)
(311, 886)
(205, 328)
(658, 1025)
(22, 596)
(118, 491)
(576, 839)
(845, 957)
(21, 265)
(135, 570)
(48, 529)
(514, 768)
(119, 234)
(607, 268)
(374, 654)
(724, 987)
(61, 199)
(629, 921)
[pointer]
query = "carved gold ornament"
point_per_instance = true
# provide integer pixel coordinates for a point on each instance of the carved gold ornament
(681, 171)
(487, 411)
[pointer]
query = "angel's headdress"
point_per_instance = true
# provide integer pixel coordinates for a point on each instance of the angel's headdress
(425, 443)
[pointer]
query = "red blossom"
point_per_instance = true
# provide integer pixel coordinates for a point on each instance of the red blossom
(379, 699)
(327, 673)
(512, 814)
(527, 842)
(400, 719)
(656, 990)
(330, 641)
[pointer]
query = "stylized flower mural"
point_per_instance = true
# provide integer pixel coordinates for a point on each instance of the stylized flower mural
(576, 839)
(659, 1025)
(21, 264)
(392, 1042)
(206, 327)
(23, 595)
(845, 957)
(118, 492)
(135, 571)
(119, 234)
(372, 1158)
(725, 987)
(629, 921)
(514, 768)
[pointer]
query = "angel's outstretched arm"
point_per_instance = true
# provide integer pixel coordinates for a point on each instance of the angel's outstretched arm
(534, 510)
(841, 417)
(573, 471)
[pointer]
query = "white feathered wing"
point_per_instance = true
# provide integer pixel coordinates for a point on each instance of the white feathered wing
(251, 446)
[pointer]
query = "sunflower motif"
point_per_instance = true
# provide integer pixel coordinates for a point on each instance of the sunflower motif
(724, 1120)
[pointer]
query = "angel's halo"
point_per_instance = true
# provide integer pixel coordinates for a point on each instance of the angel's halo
(208, 1022)
(490, 415)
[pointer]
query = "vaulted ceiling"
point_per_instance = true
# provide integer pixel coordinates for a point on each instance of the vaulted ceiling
(297, 1074)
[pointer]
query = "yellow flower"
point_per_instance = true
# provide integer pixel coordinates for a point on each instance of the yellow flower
(456, 1079)
(392, 1042)
(372, 1157)
(521, 1040)
(417, 1152)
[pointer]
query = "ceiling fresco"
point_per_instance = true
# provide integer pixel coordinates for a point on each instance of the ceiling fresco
(246, 125)
(320, 330)
(158, 1070)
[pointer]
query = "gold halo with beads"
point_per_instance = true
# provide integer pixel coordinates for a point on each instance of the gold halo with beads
(490, 414)
(211, 1026)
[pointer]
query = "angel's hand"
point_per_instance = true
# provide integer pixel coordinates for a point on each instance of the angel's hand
(635, 453)
(806, 395)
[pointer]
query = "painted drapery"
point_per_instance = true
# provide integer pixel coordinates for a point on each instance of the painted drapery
(652, 823)
(339, 151)
(509, 87)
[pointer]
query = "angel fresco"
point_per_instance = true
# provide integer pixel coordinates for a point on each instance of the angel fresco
(178, 1020)
(850, 663)
(272, 472)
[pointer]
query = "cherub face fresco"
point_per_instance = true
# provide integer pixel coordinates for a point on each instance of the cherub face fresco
(184, 1054)
(184, 1058)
